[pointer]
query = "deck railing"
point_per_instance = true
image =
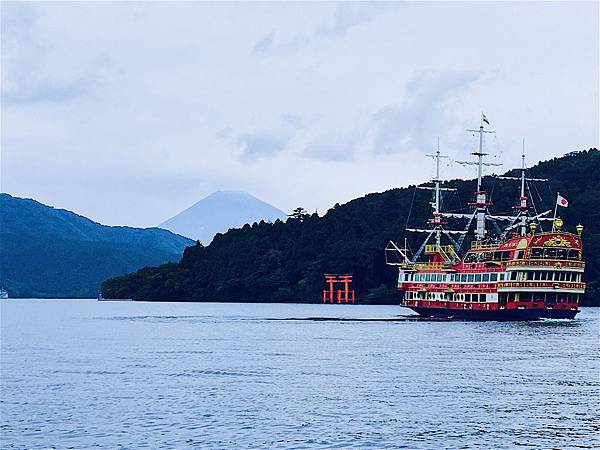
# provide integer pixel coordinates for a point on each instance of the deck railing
(551, 263)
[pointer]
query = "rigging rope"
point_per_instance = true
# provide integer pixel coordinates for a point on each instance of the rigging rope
(411, 207)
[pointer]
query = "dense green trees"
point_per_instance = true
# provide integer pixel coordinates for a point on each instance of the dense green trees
(49, 252)
(285, 262)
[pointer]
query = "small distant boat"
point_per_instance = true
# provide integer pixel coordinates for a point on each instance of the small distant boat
(3, 294)
(102, 299)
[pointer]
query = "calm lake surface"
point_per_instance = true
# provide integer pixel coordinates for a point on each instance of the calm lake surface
(85, 374)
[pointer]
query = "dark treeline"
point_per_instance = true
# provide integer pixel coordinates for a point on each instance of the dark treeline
(285, 262)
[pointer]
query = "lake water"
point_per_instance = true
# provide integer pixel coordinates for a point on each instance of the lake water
(85, 374)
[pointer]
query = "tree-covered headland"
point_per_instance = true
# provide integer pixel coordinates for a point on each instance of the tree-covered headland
(285, 261)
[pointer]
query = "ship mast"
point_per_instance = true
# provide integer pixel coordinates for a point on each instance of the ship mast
(523, 206)
(436, 205)
(481, 203)
(523, 200)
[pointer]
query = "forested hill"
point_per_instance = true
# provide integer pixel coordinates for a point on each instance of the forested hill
(50, 252)
(285, 262)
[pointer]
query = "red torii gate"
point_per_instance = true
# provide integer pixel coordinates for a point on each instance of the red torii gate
(346, 294)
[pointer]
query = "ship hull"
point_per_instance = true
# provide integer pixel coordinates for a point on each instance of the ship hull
(494, 315)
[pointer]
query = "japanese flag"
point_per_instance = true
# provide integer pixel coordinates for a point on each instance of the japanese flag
(561, 201)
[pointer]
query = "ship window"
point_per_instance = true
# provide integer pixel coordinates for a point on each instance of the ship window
(439, 277)
(428, 277)
(573, 254)
(482, 297)
(463, 278)
(519, 254)
(467, 297)
(550, 253)
(493, 277)
(471, 258)
(536, 253)
(478, 278)
(505, 255)
(561, 253)
(525, 296)
(486, 277)
(470, 278)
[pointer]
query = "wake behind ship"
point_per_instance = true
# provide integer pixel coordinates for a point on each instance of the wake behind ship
(520, 272)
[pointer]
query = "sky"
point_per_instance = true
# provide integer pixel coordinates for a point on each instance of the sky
(130, 112)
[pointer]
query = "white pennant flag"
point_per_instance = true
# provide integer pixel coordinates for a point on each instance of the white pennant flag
(561, 201)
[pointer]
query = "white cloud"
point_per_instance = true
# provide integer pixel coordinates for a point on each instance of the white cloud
(129, 112)
(426, 110)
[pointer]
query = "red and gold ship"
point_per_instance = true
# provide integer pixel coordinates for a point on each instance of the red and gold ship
(522, 273)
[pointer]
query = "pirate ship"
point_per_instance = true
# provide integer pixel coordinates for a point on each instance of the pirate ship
(516, 271)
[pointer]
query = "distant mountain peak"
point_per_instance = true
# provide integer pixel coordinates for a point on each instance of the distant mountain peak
(220, 211)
